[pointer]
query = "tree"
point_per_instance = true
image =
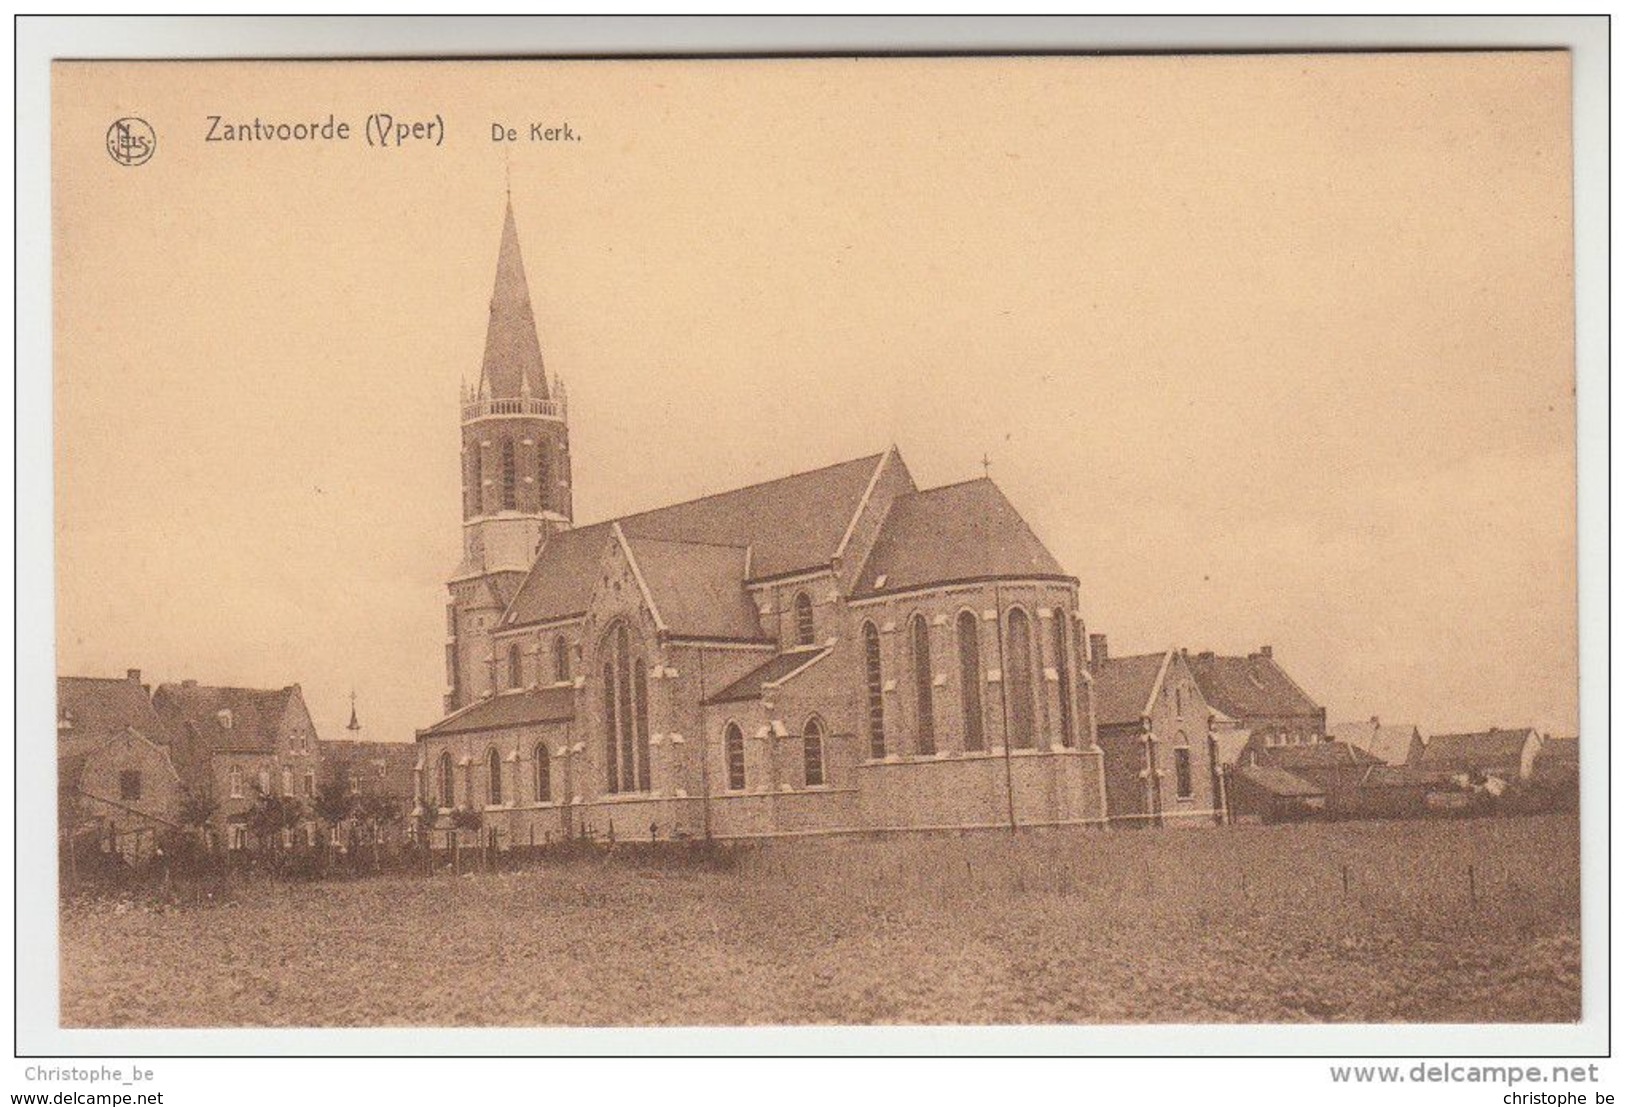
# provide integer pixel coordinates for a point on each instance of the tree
(272, 814)
(335, 803)
(425, 816)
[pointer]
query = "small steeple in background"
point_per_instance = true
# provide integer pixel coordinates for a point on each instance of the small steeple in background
(354, 725)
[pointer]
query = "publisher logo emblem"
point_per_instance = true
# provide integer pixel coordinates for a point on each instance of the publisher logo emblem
(131, 141)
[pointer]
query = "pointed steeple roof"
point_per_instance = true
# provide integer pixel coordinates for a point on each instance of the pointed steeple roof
(355, 724)
(513, 353)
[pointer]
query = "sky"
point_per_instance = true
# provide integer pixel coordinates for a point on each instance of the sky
(1267, 350)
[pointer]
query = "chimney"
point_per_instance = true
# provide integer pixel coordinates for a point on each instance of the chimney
(133, 675)
(188, 684)
(1097, 649)
(1266, 651)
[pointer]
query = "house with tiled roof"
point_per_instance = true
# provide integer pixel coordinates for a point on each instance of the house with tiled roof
(1151, 723)
(235, 744)
(1390, 743)
(1256, 704)
(1504, 754)
(365, 767)
(1337, 769)
(834, 650)
(117, 784)
(1558, 761)
(1266, 793)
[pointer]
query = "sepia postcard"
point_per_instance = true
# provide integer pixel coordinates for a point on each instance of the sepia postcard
(1050, 541)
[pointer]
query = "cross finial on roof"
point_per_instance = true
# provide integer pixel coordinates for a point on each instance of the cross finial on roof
(987, 465)
(354, 724)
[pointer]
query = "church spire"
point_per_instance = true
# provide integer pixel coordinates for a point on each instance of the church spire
(355, 724)
(513, 354)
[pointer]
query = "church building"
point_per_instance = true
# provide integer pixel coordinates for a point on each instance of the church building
(837, 650)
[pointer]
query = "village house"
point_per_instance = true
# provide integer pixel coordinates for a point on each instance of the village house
(1151, 723)
(377, 780)
(1558, 762)
(1494, 754)
(1390, 743)
(117, 784)
(834, 650)
(1338, 770)
(238, 744)
(1255, 703)
(1264, 793)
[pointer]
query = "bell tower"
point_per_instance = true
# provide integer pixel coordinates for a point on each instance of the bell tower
(516, 474)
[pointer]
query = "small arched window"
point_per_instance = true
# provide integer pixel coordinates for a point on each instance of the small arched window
(812, 752)
(542, 773)
(925, 730)
(561, 660)
(804, 619)
(733, 741)
(447, 786)
(876, 691)
(970, 680)
(476, 481)
(510, 477)
(516, 667)
(544, 478)
(1018, 679)
(493, 775)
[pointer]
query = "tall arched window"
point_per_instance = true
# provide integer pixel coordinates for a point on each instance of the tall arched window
(476, 481)
(1184, 786)
(561, 660)
(804, 619)
(623, 692)
(541, 773)
(493, 777)
(876, 691)
(446, 782)
(516, 667)
(640, 719)
(544, 478)
(812, 752)
(970, 680)
(733, 741)
(626, 713)
(612, 749)
(1063, 677)
(510, 477)
(1018, 679)
(925, 725)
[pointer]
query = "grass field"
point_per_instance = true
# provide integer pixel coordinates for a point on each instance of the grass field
(1249, 924)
